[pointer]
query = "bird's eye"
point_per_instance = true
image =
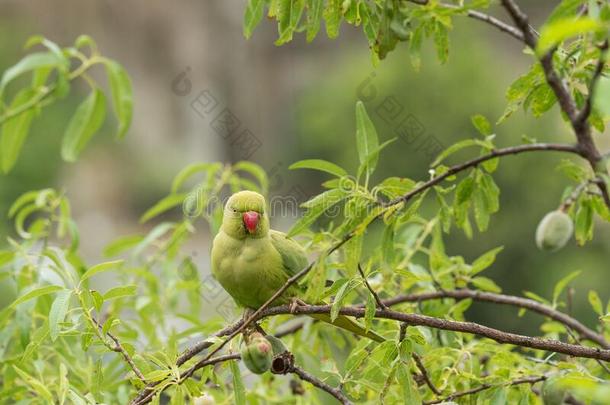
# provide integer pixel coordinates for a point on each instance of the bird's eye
(234, 210)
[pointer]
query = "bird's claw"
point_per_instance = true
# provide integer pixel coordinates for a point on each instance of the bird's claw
(295, 304)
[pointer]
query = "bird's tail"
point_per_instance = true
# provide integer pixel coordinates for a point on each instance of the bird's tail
(350, 325)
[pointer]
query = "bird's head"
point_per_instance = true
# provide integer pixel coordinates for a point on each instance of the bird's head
(245, 216)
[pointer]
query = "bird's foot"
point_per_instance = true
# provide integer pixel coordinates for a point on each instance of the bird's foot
(295, 303)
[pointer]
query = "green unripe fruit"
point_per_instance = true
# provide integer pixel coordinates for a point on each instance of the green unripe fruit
(554, 231)
(205, 399)
(276, 344)
(257, 355)
(552, 392)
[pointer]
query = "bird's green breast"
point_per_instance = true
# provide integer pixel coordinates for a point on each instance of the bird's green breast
(250, 269)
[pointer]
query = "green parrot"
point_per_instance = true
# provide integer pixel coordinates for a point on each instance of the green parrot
(252, 262)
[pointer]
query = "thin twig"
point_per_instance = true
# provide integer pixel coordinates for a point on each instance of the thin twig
(511, 150)
(378, 300)
(424, 373)
(118, 348)
(305, 376)
(524, 380)
(200, 364)
(478, 15)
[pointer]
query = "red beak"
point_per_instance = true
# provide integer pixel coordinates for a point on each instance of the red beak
(250, 219)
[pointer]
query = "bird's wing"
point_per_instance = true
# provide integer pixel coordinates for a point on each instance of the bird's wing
(294, 260)
(293, 255)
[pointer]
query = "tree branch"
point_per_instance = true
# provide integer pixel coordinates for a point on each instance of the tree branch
(202, 363)
(456, 326)
(305, 376)
(511, 150)
(117, 347)
(522, 22)
(524, 380)
(520, 302)
(478, 15)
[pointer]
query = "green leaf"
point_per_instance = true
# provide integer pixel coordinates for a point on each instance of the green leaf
(316, 207)
(441, 42)
(561, 284)
(58, 311)
(122, 95)
(192, 169)
(453, 149)
(394, 187)
(120, 291)
(536, 297)
(256, 171)
(238, 385)
(340, 297)
(36, 385)
(481, 124)
(583, 223)
(601, 100)
(87, 119)
(118, 246)
(366, 138)
(490, 192)
(565, 9)
(85, 40)
(289, 15)
(162, 206)
(314, 15)
(481, 211)
(99, 268)
(253, 16)
(321, 165)
(332, 16)
(560, 30)
(542, 99)
(596, 303)
(98, 300)
(15, 130)
(28, 63)
(157, 375)
(24, 200)
(415, 47)
(38, 292)
(373, 156)
(464, 190)
(485, 260)
(486, 284)
(410, 394)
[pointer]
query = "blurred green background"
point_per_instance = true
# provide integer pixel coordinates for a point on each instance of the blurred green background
(298, 101)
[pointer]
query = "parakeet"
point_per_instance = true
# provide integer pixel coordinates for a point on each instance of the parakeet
(252, 262)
